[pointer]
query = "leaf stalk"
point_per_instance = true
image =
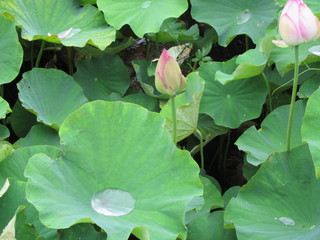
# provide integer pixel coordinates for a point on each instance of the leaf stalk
(174, 119)
(293, 95)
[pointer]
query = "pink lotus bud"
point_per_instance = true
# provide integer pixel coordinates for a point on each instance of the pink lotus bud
(298, 24)
(168, 77)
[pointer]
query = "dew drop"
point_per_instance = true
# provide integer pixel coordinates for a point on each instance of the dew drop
(146, 4)
(287, 221)
(243, 17)
(113, 202)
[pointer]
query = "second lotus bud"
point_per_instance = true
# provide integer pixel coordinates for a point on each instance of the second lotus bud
(168, 77)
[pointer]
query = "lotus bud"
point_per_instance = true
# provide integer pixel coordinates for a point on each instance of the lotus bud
(297, 23)
(168, 77)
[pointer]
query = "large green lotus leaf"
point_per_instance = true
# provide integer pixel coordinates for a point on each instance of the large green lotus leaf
(280, 202)
(187, 108)
(21, 120)
(231, 104)
(50, 94)
(11, 51)
(118, 152)
(4, 108)
(284, 57)
(60, 21)
(13, 167)
(310, 128)
(39, 135)
(143, 16)
(210, 227)
(271, 137)
(100, 76)
(231, 18)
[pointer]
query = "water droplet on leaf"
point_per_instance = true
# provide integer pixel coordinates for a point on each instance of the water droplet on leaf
(287, 221)
(243, 17)
(113, 202)
(146, 4)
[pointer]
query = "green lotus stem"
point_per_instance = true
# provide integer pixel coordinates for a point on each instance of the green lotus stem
(201, 149)
(31, 54)
(70, 63)
(40, 54)
(174, 119)
(293, 95)
(269, 92)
